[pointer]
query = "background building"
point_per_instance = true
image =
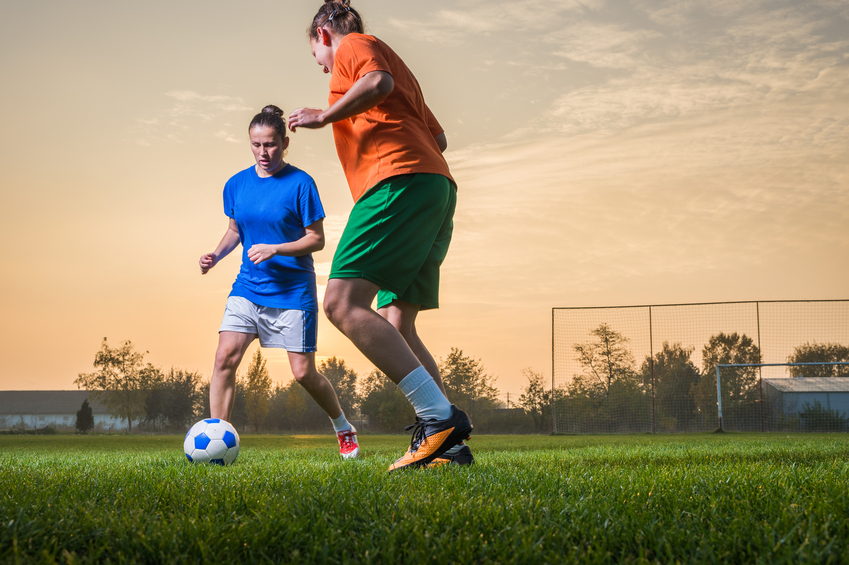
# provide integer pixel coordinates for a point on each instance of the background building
(35, 409)
(815, 403)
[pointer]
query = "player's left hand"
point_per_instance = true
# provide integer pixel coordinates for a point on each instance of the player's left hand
(309, 118)
(261, 252)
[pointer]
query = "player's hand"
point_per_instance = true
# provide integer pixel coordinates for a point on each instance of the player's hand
(261, 252)
(309, 118)
(207, 262)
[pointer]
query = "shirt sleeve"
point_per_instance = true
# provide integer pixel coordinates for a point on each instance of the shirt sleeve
(359, 56)
(229, 204)
(311, 209)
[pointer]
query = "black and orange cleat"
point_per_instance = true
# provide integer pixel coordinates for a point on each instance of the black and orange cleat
(432, 438)
(462, 457)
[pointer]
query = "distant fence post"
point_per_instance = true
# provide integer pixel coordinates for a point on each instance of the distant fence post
(719, 397)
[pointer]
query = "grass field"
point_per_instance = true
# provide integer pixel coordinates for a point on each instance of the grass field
(708, 498)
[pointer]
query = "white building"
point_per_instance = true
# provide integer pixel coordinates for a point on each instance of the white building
(36, 409)
(794, 396)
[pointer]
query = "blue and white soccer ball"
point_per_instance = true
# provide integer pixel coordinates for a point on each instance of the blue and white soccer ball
(212, 441)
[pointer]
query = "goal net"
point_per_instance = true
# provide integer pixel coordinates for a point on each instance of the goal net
(652, 368)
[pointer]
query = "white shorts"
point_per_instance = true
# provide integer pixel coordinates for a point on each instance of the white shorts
(292, 330)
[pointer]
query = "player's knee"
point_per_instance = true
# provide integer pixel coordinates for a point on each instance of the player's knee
(306, 376)
(227, 358)
(334, 306)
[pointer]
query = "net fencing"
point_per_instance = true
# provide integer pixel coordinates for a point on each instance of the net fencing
(635, 369)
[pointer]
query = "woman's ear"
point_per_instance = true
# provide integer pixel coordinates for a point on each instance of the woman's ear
(324, 36)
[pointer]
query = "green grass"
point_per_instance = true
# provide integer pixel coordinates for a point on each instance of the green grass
(706, 498)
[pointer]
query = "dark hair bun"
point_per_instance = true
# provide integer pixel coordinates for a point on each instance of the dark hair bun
(272, 116)
(272, 109)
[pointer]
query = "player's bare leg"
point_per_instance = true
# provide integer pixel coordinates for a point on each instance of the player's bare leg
(320, 389)
(222, 385)
(439, 425)
(316, 384)
(347, 303)
(402, 316)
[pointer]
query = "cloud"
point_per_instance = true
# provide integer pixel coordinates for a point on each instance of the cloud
(688, 153)
(190, 110)
(473, 17)
(227, 136)
(602, 45)
(753, 57)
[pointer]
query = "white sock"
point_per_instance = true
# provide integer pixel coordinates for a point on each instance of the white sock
(427, 399)
(341, 423)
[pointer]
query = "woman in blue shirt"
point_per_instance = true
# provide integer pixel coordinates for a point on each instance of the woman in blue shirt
(276, 215)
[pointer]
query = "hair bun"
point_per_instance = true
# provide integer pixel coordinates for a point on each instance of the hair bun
(272, 109)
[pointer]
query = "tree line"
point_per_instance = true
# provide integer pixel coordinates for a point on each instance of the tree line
(147, 397)
(612, 393)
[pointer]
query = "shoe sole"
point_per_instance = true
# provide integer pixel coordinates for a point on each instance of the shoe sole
(463, 457)
(453, 437)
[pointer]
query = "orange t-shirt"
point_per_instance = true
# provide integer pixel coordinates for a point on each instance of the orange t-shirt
(396, 137)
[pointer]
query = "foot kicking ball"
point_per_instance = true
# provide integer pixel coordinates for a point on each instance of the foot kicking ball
(212, 441)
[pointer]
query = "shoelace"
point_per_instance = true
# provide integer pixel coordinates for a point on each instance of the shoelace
(346, 439)
(418, 433)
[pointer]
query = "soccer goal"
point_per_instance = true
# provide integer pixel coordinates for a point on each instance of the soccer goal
(653, 368)
(781, 403)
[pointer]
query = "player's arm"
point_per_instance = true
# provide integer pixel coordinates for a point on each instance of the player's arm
(313, 240)
(228, 243)
(369, 91)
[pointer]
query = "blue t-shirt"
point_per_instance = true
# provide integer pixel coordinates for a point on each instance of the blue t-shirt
(274, 210)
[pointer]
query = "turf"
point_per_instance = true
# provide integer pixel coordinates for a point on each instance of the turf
(711, 498)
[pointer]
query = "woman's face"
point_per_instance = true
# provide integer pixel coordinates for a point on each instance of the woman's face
(322, 50)
(268, 148)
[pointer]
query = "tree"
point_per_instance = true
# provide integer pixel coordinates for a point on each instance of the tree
(739, 384)
(820, 353)
(257, 390)
(536, 401)
(606, 360)
(608, 396)
(467, 384)
(344, 381)
(384, 404)
(675, 377)
(296, 404)
(184, 397)
(85, 418)
(175, 399)
(276, 419)
(121, 381)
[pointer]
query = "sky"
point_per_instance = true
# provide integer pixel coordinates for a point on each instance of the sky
(606, 152)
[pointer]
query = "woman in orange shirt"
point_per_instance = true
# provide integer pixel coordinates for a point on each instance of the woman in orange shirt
(390, 146)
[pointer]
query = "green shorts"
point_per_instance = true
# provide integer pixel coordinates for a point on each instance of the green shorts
(397, 237)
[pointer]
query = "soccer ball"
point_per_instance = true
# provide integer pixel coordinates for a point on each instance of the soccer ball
(212, 441)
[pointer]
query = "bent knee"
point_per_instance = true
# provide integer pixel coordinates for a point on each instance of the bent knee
(306, 377)
(334, 307)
